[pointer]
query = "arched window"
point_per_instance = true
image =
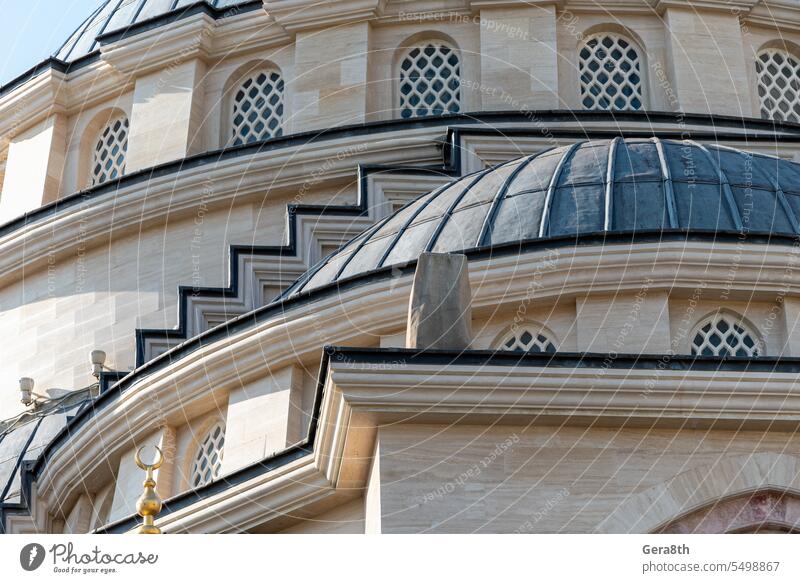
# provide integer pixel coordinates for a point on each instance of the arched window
(110, 149)
(429, 80)
(208, 458)
(779, 85)
(724, 335)
(257, 107)
(611, 73)
(527, 339)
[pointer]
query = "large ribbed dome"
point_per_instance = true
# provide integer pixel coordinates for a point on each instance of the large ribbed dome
(117, 15)
(631, 185)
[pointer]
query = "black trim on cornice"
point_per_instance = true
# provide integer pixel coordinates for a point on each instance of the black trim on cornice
(478, 119)
(175, 15)
(477, 358)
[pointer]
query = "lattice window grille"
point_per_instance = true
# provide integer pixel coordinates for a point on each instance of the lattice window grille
(611, 74)
(779, 85)
(721, 336)
(527, 340)
(108, 158)
(208, 459)
(430, 81)
(258, 108)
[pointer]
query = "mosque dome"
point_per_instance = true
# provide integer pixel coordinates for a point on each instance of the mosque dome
(597, 186)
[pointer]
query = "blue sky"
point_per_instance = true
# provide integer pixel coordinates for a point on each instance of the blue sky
(31, 30)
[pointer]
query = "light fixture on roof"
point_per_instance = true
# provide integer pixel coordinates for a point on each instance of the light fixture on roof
(98, 358)
(26, 395)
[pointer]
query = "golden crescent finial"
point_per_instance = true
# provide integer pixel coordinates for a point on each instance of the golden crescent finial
(155, 465)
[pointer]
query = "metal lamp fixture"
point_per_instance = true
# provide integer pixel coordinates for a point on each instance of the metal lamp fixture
(26, 395)
(98, 358)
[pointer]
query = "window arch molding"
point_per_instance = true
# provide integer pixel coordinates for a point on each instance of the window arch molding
(540, 336)
(617, 32)
(90, 135)
(272, 90)
(421, 40)
(761, 510)
(777, 81)
(731, 319)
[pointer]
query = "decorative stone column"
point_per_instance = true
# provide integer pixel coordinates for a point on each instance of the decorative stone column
(439, 311)
(707, 55)
(34, 167)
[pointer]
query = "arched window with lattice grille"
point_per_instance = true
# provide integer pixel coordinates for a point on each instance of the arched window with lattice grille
(257, 107)
(779, 85)
(110, 150)
(207, 461)
(725, 335)
(528, 338)
(611, 73)
(429, 80)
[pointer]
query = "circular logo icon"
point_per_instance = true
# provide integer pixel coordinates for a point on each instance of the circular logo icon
(31, 556)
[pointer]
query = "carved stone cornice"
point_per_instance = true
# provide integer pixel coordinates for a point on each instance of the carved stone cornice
(295, 15)
(32, 101)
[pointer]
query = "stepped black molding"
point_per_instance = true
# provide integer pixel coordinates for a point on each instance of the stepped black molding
(174, 336)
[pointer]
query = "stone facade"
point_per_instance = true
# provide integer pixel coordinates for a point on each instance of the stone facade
(194, 234)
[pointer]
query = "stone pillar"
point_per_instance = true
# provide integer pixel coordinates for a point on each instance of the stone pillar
(330, 84)
(130, 477)
(264, 417)
(34, 167)
(709, 69)
(166, 116)
(79, 518)
(439, 311)
(372, 496)
(519, 58)
(791, 325)
(631, 323)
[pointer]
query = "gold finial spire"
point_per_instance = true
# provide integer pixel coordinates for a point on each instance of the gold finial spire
(149, 504)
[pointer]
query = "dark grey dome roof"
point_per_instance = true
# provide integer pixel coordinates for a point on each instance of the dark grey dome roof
(615, 185)
(117, 15)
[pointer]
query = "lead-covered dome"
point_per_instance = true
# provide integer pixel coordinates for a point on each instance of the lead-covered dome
(620, 185)
(118, 15)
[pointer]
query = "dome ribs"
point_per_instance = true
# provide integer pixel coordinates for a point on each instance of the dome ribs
(449, 212)
(669, 191)
(726, 187)
(551, 189)
(609, 191)
(488, 221)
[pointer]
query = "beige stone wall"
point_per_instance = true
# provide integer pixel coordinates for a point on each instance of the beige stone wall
(166, 116)
(85, 298)
(707, 60)
(467, 479)
(33, 168)
(345, 519)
